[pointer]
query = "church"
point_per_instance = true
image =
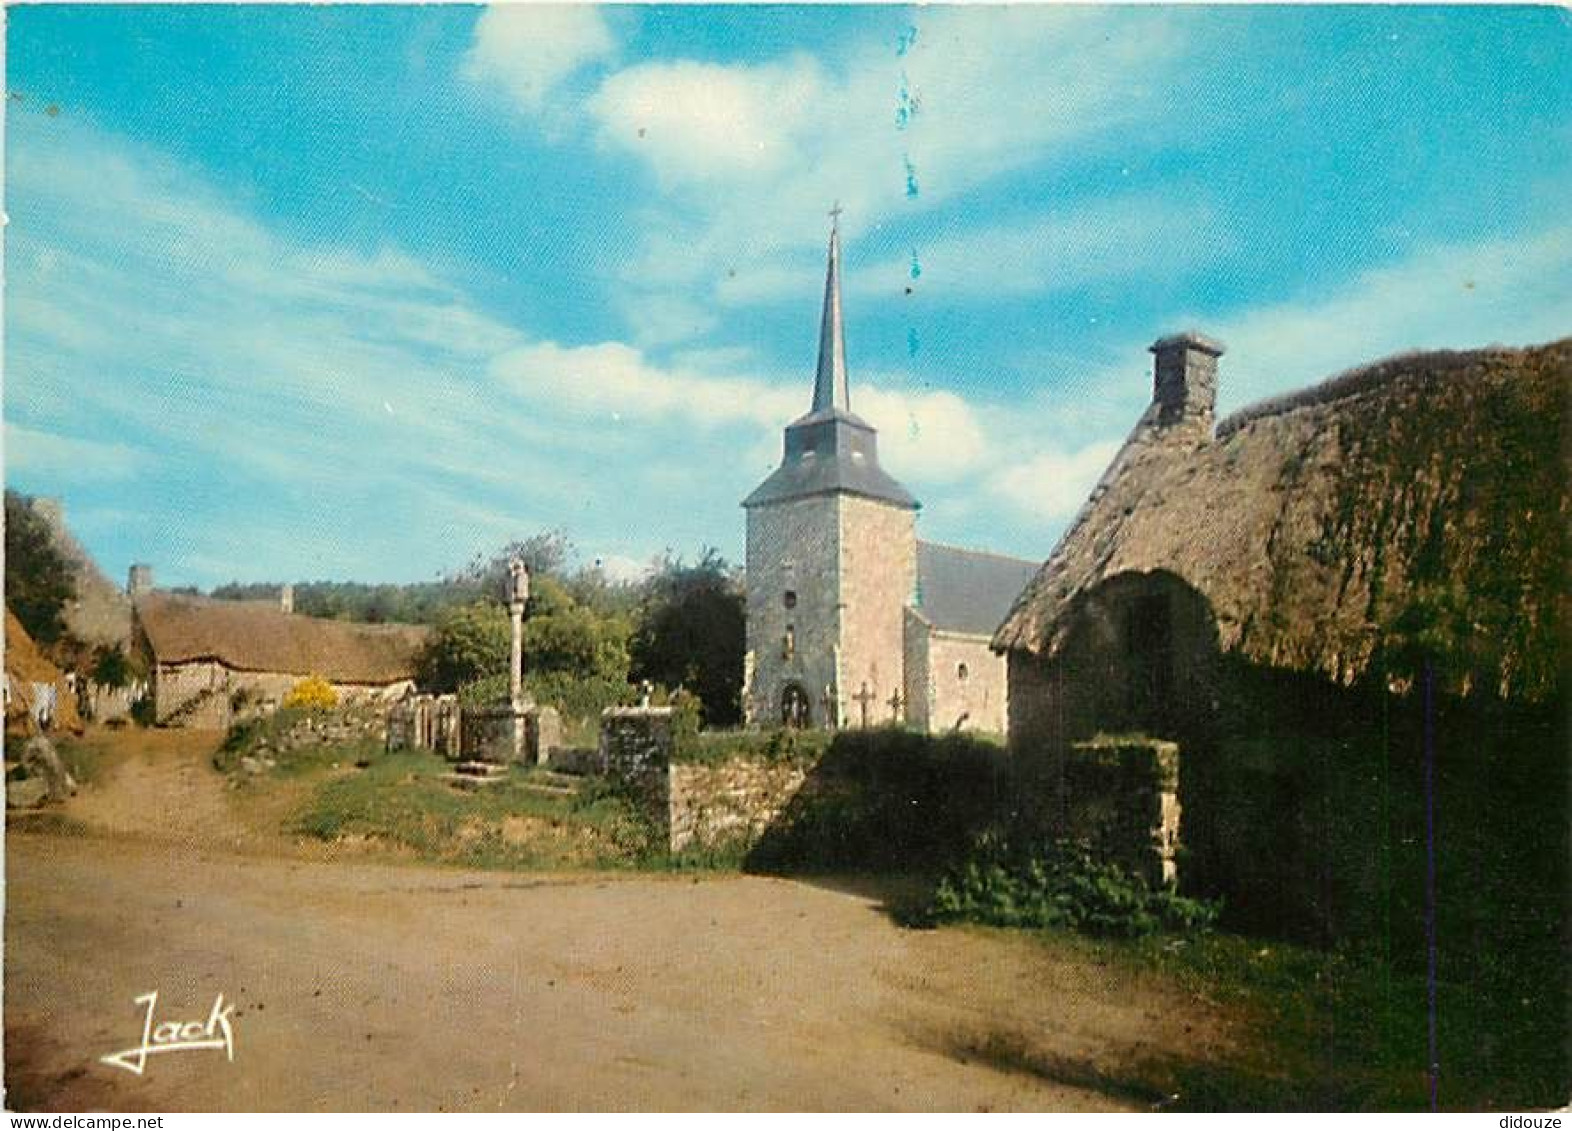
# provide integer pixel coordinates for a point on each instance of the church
(852, 621)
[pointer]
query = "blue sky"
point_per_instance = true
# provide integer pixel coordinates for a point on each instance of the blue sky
(306, 292)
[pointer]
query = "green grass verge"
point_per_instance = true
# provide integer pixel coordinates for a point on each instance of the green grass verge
(1336, 1030)
(403, 801)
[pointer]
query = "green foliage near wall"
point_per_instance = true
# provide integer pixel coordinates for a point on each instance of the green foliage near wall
(782, 746)
(470, 643)
(1060, 885)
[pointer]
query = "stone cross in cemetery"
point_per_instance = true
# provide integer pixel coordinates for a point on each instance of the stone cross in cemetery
(863, 698)
(896, 702)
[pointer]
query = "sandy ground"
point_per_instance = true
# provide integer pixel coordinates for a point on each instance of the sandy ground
(388, 986)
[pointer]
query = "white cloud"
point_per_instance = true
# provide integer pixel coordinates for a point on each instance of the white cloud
(360, 414)
(933, 437)
(1051, 485)
(530, 49)
(747, 154)
(51, 454)
(1507, 291)
(702, 123)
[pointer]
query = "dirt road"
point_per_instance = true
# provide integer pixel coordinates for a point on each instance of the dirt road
(385, 986)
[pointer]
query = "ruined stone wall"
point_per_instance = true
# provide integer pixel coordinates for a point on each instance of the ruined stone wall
(968, 684)
(727, 805)
(878, 577)
(635, 750)
(1121, 796)
(793, 547)
(206, 694)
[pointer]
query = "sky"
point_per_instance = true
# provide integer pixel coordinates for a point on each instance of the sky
(356, 293)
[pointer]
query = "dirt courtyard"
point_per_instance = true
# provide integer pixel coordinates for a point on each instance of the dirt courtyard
(385, 986)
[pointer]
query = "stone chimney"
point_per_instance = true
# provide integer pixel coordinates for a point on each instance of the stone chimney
(1184, 385)
(140, 581)
(286, 598)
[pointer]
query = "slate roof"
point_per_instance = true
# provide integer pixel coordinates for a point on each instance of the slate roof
(259, 636)
(967, 590)
(830, 452)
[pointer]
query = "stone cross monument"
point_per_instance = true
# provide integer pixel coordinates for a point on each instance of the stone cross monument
(518, 597)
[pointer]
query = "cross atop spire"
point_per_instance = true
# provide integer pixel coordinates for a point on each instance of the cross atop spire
(829, 386)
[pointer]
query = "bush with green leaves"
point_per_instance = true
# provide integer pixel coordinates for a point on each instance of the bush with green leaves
(1061, 885)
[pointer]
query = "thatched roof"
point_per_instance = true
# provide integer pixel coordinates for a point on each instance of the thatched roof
(259, 636)
(25, 665)
(1425, 494)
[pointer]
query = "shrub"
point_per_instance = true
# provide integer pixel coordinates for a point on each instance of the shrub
(312, 694)
(1061, 886)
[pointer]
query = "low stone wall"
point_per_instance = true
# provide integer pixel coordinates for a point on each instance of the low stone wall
(635, 750)
(425, 722)
(732, 803)
(692, 805)
(1121, 796)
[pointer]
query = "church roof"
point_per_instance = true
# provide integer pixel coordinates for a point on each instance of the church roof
(831, 450)
(967, 590)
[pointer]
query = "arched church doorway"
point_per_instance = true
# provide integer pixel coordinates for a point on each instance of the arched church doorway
(794, 706)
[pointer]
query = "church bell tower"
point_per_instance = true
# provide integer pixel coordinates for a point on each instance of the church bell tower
(831, 558)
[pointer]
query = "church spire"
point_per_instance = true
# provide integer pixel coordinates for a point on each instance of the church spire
(829, 387)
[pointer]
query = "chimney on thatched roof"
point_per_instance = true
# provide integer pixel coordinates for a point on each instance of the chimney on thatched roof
(139, 581)
(1184, 380)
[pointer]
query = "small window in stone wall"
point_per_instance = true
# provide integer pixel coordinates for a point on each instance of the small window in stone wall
(962, 672)
(790, 599)
(789, 643)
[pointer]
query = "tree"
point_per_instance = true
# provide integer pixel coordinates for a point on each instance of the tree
(470, 642)
(112, 667)
(38, 578)
(692, 634)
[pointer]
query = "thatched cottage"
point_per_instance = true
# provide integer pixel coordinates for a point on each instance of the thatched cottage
(1319, 569)
(208, 658)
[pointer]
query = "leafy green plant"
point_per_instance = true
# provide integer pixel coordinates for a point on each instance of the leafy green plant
(1061, 886)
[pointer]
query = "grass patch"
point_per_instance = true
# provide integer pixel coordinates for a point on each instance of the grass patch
(1335, 1030)
(83, 758)
(402, 800)
(780, 747)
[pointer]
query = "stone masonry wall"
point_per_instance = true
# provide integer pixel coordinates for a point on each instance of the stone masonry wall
(635, 749)
(976, 700)
(878, 576)
(792, 547)
(729, 804)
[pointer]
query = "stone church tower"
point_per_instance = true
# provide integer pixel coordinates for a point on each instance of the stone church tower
(831, 559)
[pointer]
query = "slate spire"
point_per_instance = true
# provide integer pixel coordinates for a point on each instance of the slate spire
(829, 387)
